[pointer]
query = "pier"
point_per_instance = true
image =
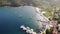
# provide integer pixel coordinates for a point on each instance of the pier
(28, 30)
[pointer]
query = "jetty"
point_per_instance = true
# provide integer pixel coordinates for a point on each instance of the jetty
(28, 30)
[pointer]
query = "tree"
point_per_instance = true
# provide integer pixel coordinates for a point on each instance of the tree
(49, 31)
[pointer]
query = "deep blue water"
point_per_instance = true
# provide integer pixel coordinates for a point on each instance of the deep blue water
(11, 18)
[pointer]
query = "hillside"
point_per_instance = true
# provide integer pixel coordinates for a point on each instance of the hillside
(37, 3)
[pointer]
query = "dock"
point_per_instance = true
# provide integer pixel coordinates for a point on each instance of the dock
(28, 30)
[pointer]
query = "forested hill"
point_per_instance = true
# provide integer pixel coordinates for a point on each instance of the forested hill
(29, 2)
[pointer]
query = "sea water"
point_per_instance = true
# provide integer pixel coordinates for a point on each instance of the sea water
(11, 18)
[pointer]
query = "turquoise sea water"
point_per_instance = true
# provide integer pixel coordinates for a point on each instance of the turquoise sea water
(11, 18)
